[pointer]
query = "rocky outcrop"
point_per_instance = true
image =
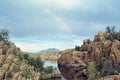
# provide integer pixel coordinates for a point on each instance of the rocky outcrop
(74, 64)
(71, 65)
(11, 67)
(114, 77)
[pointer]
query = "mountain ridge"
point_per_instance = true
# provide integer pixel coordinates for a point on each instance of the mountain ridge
(49, 50)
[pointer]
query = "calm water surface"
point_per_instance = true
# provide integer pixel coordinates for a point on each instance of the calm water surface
(53, 64)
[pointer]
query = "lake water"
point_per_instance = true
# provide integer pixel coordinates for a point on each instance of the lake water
(53, 64)
(50, 63)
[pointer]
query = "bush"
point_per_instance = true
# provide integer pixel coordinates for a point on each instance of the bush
(27, 74)
(91, 71)
(99, 66)
(5, 49)
(37, 63)
(43, 77)
(26, 56)
(9, 74)
(118, 36)
(49, 69)
(21, 56)
(16, 69)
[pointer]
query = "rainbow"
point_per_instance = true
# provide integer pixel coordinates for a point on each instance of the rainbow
(60, 20)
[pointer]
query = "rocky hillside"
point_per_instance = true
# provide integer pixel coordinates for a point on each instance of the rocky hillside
(97, 59)
(11, 65)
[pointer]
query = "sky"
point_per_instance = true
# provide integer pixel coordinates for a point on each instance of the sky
(35, 25)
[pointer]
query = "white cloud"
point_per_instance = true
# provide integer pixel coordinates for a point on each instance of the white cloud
(64, 4)
(29, 47)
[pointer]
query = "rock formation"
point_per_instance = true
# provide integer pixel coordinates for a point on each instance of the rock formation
(11, 67)
(103, 54)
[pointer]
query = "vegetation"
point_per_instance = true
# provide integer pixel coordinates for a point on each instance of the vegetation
(21, 56)
(49, 69)
(37, 63)
(27, 74)
(77, 48)
(9, 74)
(4, 34)
(99, 66)
(26, 56)
(91, 71)
(43, 76)
(18, 57)
(5, 48)
(113, 33)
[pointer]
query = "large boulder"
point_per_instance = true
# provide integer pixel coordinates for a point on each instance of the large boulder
(71, 66)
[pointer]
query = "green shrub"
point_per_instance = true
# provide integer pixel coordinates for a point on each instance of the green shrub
(91, 71)
(26, 56)
(16, 69)
(99, 66)
(49, 69)
(118, 36)
(112, 32)
(4, 34)
(27, 74)
(5, 49)
(21, 56)
(43, 77)
(37, 63)
(9, 74)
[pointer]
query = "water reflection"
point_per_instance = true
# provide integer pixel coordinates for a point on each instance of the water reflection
(50, 63)
(53, 64)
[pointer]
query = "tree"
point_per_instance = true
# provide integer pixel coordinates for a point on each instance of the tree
(111, 29)
(26, 56)
(1, 36)
(108, 30)
(4, 34)
(37, 63)
(112, 32)
(77, 48)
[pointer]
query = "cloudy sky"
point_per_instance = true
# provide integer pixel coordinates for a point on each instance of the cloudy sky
(40, 24)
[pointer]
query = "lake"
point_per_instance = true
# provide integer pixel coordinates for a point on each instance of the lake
(50, 63)
(53, 64)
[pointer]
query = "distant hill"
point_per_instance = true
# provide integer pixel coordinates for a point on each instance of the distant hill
(49, 50)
